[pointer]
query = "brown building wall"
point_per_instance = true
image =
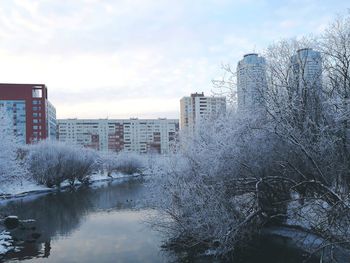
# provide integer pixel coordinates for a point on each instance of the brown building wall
(116, 139)
(25, 92)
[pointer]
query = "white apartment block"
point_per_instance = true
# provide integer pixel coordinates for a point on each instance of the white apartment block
(135, 135)
(51, 121)
(197, 107)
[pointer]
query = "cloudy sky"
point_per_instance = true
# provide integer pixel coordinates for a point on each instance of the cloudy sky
(137, 58)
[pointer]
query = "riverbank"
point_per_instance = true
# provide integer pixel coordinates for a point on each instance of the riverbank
(26, 187)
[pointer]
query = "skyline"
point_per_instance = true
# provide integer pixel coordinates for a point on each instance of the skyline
(119, 60)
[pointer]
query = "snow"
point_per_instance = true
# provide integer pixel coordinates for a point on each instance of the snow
(102, 177)
(23, 187)
(12, 217)
(5, 242)
(26, 187)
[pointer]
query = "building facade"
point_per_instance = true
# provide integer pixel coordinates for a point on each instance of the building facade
(306, 69)
(305, 81)
(135, 135)
(197, 107)
(51, 120)
(27, 105)
(251, 82)
(306, 75)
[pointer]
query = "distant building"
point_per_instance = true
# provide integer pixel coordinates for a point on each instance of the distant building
(51, 120)
(135, 135)
(33, 116)
(306, 69)
(306, 80)
(251, 82)
(197, 107)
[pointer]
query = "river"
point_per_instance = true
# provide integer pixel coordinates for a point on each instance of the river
(101, 223)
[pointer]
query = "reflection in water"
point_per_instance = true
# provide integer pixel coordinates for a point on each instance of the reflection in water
(89, 219)
(102, 223)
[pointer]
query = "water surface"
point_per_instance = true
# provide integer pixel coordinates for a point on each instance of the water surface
(105, 223)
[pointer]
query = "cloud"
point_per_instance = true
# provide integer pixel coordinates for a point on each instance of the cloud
(142, 52)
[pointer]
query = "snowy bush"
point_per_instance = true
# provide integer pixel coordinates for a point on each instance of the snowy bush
(52, 162)
(200, 188)
(123, 162)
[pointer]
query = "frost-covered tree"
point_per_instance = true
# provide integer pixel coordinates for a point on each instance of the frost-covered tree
(335, 45)
(52, 162)
(123, 162)
(287, 163)
(10, 167)
(210, 189)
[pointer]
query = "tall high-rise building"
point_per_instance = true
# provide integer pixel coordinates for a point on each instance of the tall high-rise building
(27, 105)
(197, 107)
(251, 82)
(306, 68)
(135, 135)
(306, 75)
(306, 81)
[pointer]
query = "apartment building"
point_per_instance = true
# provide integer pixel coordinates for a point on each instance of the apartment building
(197, 107)
(136, 135)
(27, 105)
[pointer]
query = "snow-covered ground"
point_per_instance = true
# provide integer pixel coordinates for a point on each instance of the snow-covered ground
(101, 177)
(25, 186)
(5, 242)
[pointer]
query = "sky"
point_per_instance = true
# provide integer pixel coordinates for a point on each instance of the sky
(137, 58)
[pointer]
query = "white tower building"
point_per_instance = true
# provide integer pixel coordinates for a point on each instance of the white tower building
(306, 81)
(251, 82)
(306, 70)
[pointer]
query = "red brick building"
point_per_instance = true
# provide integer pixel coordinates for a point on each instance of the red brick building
(34, 117)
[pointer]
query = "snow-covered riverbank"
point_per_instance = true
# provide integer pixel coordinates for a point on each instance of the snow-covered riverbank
(25, 187)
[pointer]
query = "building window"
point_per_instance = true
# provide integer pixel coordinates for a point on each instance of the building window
(36, 108)
(37, 93)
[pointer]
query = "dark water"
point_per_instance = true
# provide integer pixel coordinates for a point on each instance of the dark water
(103, 223)
(98, 224)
